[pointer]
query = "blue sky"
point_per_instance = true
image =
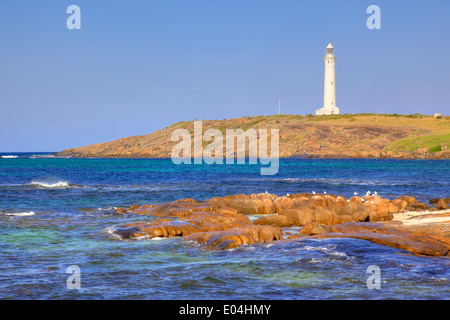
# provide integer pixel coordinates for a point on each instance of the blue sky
(138, 66)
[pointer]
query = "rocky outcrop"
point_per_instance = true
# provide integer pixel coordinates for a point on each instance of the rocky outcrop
(331, 209)
(196, 222)
(223, 223)
(215, 231)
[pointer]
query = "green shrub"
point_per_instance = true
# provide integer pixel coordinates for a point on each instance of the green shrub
(435, 148)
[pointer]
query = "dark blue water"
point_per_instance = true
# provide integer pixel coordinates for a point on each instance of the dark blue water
(56, 212)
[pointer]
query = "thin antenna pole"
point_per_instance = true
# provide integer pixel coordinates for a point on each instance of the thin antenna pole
(279, 106)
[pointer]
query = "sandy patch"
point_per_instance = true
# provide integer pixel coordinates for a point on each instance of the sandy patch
(423, 217)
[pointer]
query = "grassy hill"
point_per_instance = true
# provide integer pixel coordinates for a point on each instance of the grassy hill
(333, 136)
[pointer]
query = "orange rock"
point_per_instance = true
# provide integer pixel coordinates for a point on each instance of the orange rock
(218, 221)
(431, 240)
(196, 222)
(345, 218)
(356, 200)
(313, 228)
(133, 207)
(121, 210)
(165, 229)
(232, 238)
(408, 199)
(401, 205)
(362, 214)
(418, 206)
(298, 216)
(441, 205)
(179, 208)
(325, 216)
(277, 220)
(261, 203)
(282, 203)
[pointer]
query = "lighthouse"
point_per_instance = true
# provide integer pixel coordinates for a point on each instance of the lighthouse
(329, 92)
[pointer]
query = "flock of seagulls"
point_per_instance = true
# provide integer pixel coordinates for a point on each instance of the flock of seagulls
(368, 193)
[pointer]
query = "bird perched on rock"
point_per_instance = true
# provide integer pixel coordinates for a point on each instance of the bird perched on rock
(355, 193)
(313, 192)
(368, 193)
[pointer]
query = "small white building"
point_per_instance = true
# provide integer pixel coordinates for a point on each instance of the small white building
(329, 94)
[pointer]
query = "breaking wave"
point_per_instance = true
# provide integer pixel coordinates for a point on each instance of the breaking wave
(20, 214)
(54, 185)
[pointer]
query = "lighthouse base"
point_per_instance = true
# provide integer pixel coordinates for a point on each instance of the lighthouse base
(327, 111)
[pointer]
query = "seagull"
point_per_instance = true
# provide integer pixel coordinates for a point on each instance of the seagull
(313, 192)
(348, 200)
(266, 192)
(355, 193)
(375, 193)
(368, 193)
(324, 192)
(287, 194)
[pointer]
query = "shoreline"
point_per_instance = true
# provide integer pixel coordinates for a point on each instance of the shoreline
(61, 155)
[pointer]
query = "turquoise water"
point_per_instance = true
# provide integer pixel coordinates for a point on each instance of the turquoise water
(55, 213)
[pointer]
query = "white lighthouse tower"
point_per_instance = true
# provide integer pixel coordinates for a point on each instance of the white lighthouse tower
(329, 93)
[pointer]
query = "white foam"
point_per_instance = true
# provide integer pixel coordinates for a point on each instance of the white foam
(158, 238)
(59, 184)
(106, 209)
(20, 214)
(439, 279)
(327, 249)
(111, 231)
(9, 157)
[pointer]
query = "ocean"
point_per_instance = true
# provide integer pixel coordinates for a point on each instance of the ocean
(58, 212)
